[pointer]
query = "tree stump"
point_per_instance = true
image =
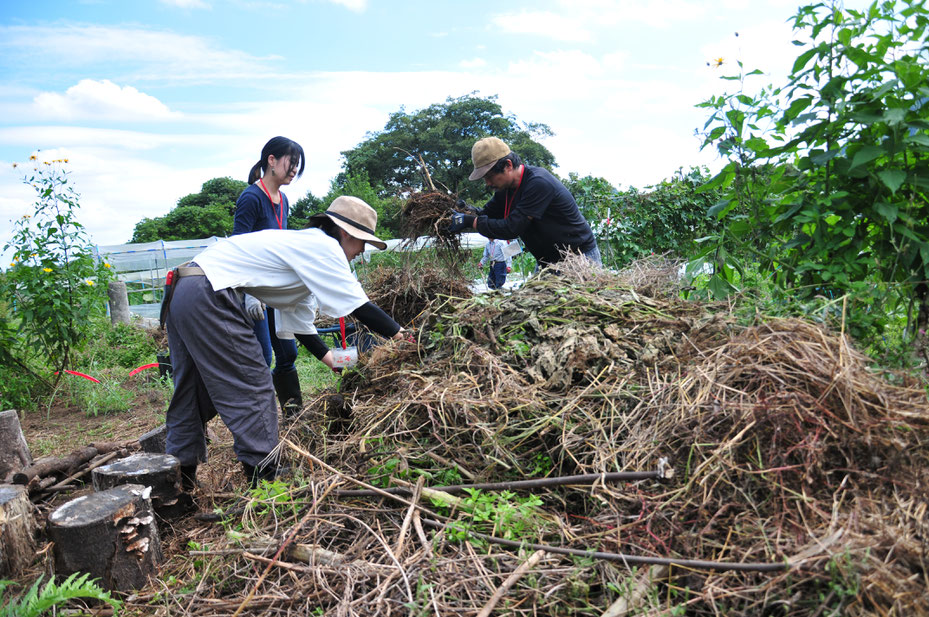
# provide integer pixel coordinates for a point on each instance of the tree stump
(14, 451)
(160, 472)
(154, 440)
(17, 530)
(112, 535)
(119, 302)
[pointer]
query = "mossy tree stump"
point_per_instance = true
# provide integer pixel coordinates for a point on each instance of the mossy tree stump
(112, 535)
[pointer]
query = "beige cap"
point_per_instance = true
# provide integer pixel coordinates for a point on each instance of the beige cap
(485, 154)
(355, 217)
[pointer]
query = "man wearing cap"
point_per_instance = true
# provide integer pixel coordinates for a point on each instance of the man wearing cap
(528, 203)
(217, 361)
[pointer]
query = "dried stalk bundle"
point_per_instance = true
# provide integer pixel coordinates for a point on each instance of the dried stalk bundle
(405, 293)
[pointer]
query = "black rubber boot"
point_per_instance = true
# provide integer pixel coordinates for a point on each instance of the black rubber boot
(287, 386)
(188, 478)
(268, 472)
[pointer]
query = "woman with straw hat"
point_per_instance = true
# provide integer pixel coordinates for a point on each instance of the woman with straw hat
(217, 361)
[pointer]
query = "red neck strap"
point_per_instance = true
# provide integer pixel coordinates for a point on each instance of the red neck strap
(280, 214)
(508, 201)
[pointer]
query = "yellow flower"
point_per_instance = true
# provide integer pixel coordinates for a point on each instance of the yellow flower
(89, 282)
(12, 263)
(32, 255)
(65, 160)
(107, 265)
(32, 158)
(46, 269)
(718, 61)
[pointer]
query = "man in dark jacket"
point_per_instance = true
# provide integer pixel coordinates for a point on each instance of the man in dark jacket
(528, 203)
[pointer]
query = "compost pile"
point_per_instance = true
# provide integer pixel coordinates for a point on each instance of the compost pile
(786, 450)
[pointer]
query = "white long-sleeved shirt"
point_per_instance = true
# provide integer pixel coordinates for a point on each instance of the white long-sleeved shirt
(294, 271)
(493, 251)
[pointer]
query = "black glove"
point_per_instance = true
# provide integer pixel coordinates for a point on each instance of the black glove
(461, 204)
(460, 221)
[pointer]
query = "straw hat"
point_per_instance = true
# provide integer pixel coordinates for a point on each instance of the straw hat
(485, 154)
(355, 217)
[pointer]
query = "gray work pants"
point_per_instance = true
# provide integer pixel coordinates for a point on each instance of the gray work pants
(218, 368)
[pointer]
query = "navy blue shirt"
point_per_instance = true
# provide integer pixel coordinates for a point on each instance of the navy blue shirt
(543, 214)
(255, 212)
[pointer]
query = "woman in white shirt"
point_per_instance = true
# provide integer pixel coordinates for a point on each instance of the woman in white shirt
(217, 361)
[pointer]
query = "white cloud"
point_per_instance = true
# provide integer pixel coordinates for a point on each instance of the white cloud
(187, 4)
(103, 100)
(474, 63)
(544, 23)
(588, 20)
(143, 54)
(357, 6)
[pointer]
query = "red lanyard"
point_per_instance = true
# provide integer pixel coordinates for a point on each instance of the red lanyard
(342, 328)
(508, 201)
(279, 217)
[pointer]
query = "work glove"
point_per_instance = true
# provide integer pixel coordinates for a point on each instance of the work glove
(461, 204)
(460, 221)
(254, 307)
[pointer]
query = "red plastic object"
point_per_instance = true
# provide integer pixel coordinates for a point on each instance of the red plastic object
(142, 368)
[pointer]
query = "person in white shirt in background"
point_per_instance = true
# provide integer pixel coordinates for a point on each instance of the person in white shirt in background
(500, 263)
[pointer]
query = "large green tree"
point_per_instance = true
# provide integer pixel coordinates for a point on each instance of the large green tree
(197, 215)
(355, 185)
(441, 135)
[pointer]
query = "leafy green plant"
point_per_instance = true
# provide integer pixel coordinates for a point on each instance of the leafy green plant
(54, 281)
(273, 496)
(826, 185)
(502, 513)
(39, 599)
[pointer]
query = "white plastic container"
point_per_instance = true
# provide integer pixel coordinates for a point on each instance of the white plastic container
(344, 358)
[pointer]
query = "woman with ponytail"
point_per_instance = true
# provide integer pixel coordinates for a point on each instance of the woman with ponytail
(264, 206)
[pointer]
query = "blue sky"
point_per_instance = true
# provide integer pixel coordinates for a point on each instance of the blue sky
(150, 98)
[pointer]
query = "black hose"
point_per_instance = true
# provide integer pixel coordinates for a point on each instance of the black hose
(587, 478)
(631, 560)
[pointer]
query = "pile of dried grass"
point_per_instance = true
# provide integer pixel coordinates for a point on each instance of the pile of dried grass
(786, 449)
(781, 436)
(405, 293)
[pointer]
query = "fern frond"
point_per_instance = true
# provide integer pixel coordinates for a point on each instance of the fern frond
(35, 602)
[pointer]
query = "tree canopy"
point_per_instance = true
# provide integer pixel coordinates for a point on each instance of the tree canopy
(197, 215)
(442, 134)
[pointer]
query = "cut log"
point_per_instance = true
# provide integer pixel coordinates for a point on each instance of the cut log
(154, 440)
(160, 472)
(119, 302)
(17, 530)
(112, 535)
(14, 452)
(48, 465)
